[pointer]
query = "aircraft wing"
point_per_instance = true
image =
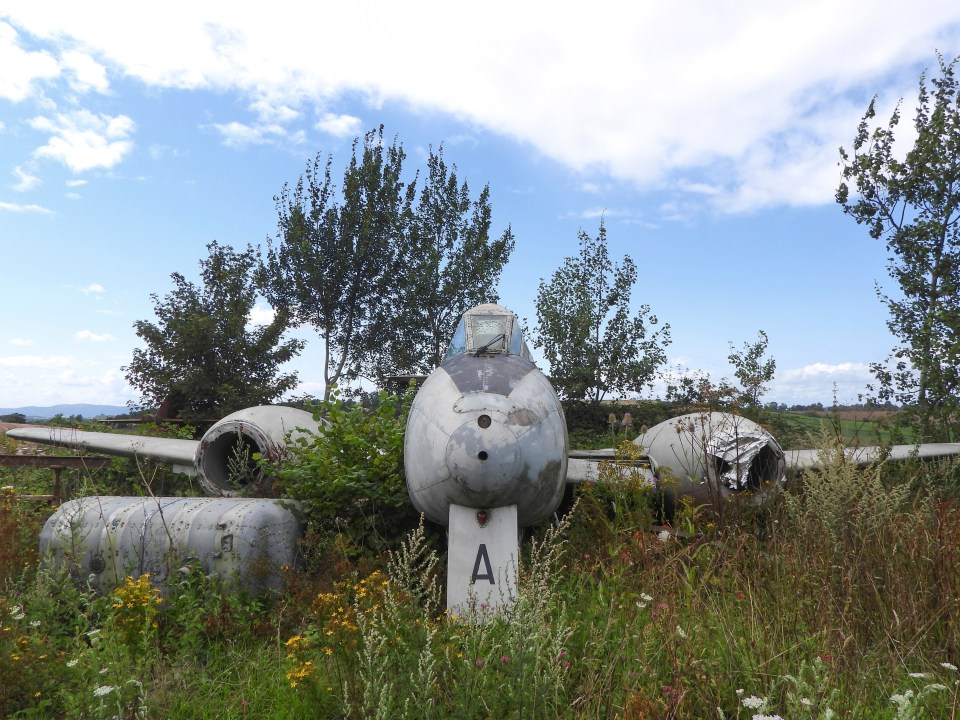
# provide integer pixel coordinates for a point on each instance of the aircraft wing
(805, 459)
(180, 453)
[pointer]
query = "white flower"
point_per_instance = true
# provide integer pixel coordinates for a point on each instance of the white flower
(17, 613)
(948, 666)
(644, 600)
(34, 623)
(681, 632)
(71, 663)
(917, 675)
(104, 690)
(753, 702)
(761, 716)
(739, 692)
(663, 536)
(902, 699)
(806, 702)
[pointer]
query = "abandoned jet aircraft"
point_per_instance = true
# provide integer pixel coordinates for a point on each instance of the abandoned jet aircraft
(486, 454)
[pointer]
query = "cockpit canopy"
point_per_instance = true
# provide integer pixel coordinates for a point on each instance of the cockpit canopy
(488, 329)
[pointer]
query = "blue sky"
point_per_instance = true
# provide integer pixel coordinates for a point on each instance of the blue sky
(705, 132)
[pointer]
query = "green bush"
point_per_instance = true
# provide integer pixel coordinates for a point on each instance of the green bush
(350, 479)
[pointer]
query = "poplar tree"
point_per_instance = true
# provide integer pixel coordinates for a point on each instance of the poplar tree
(593, 339)
(911, 201)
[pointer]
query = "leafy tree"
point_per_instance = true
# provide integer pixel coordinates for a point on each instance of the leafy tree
(593, 342)
(752, 370)
(913, 204)
(449, 264)
(335, 262)
(200, 355)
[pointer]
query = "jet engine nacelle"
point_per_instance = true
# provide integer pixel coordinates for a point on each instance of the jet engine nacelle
(222, 460)
(712, 456)
(230, 444)
(486, 431)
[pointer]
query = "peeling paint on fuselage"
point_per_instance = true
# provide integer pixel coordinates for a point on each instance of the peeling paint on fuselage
(486, 431)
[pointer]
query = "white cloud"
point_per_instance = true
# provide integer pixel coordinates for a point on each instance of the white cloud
(83, 141)
(21, 68)
(93, 289)
(36, 361)
(21, 342)
(17, 208)
(340, 125)
(744, 102)
(84, 72)
(261, 315)
(270, 113)
(76, 183)
(239, 135)
(90, 336)
(808, 384)
(25, 181)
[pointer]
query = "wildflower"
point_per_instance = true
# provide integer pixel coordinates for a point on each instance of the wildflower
(566, 664)
(480, 662)
(34, 623)
(917, 675)
(663, 536)
(761, 716)
(71, 663)
(644, 600)
(17, 613)
(505, 659)
(681, 632)
(37, 694)
(739, 692)
(740, 596)
(753, 702)
(948, 666)
(806, 702)
(104, 690)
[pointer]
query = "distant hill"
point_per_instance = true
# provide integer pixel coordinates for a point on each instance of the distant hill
(87, 411)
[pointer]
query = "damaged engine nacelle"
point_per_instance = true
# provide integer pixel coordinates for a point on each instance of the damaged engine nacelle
(713, 456)
(226, 451)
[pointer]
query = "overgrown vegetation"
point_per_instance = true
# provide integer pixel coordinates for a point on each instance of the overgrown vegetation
(838, 600)
(350, 479)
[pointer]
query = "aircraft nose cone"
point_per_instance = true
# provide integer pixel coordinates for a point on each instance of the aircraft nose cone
(484, 458)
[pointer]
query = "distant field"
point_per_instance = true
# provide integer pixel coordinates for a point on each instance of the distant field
(856, 427)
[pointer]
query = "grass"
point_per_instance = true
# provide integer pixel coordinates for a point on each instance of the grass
(839, 599)
(862, 431)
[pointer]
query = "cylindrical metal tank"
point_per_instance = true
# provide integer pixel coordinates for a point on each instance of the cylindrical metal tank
(245, 541)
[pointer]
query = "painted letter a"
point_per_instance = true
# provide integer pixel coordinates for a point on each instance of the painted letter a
(487, 568)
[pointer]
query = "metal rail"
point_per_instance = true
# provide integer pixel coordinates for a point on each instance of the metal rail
(57, 463)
